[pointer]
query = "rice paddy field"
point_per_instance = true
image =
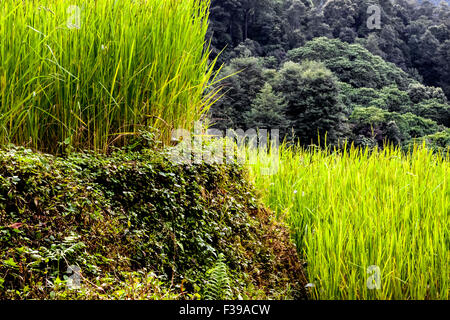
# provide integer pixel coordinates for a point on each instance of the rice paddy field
(371, 224)
(88, 74)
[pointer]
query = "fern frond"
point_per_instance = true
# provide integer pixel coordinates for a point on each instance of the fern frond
(218, 285)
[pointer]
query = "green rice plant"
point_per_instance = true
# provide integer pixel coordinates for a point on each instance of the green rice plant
(373, 224)
(88, 74)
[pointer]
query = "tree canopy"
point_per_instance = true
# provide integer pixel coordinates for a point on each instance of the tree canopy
(324, 69)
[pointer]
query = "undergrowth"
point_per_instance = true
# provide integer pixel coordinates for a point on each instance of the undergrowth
(138, 227)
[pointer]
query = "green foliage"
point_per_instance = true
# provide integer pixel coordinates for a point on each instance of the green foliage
(415, 37)
(268, 110)
(418, 93)
(313, 104)
(243, 80)
(352, 63)
(439, 142)
(133, 211)
(88, 74)
(434, 110)
(383, 125)
(122, 285)
(319, 104)
(218, 286)
(395, 100)
(361, 96)
(389, 98)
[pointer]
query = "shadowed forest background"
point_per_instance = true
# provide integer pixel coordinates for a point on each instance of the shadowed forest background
(319, 66)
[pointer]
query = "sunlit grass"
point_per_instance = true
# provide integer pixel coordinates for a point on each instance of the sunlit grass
(90, 73)
(354, 209)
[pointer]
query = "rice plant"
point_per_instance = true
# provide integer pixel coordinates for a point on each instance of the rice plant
(371, 224)
(88, 74)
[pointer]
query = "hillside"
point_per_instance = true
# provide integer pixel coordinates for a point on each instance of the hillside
(136, 219)
(330, 86)
(414, 37)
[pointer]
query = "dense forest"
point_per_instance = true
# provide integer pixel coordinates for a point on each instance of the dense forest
(367, 71)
